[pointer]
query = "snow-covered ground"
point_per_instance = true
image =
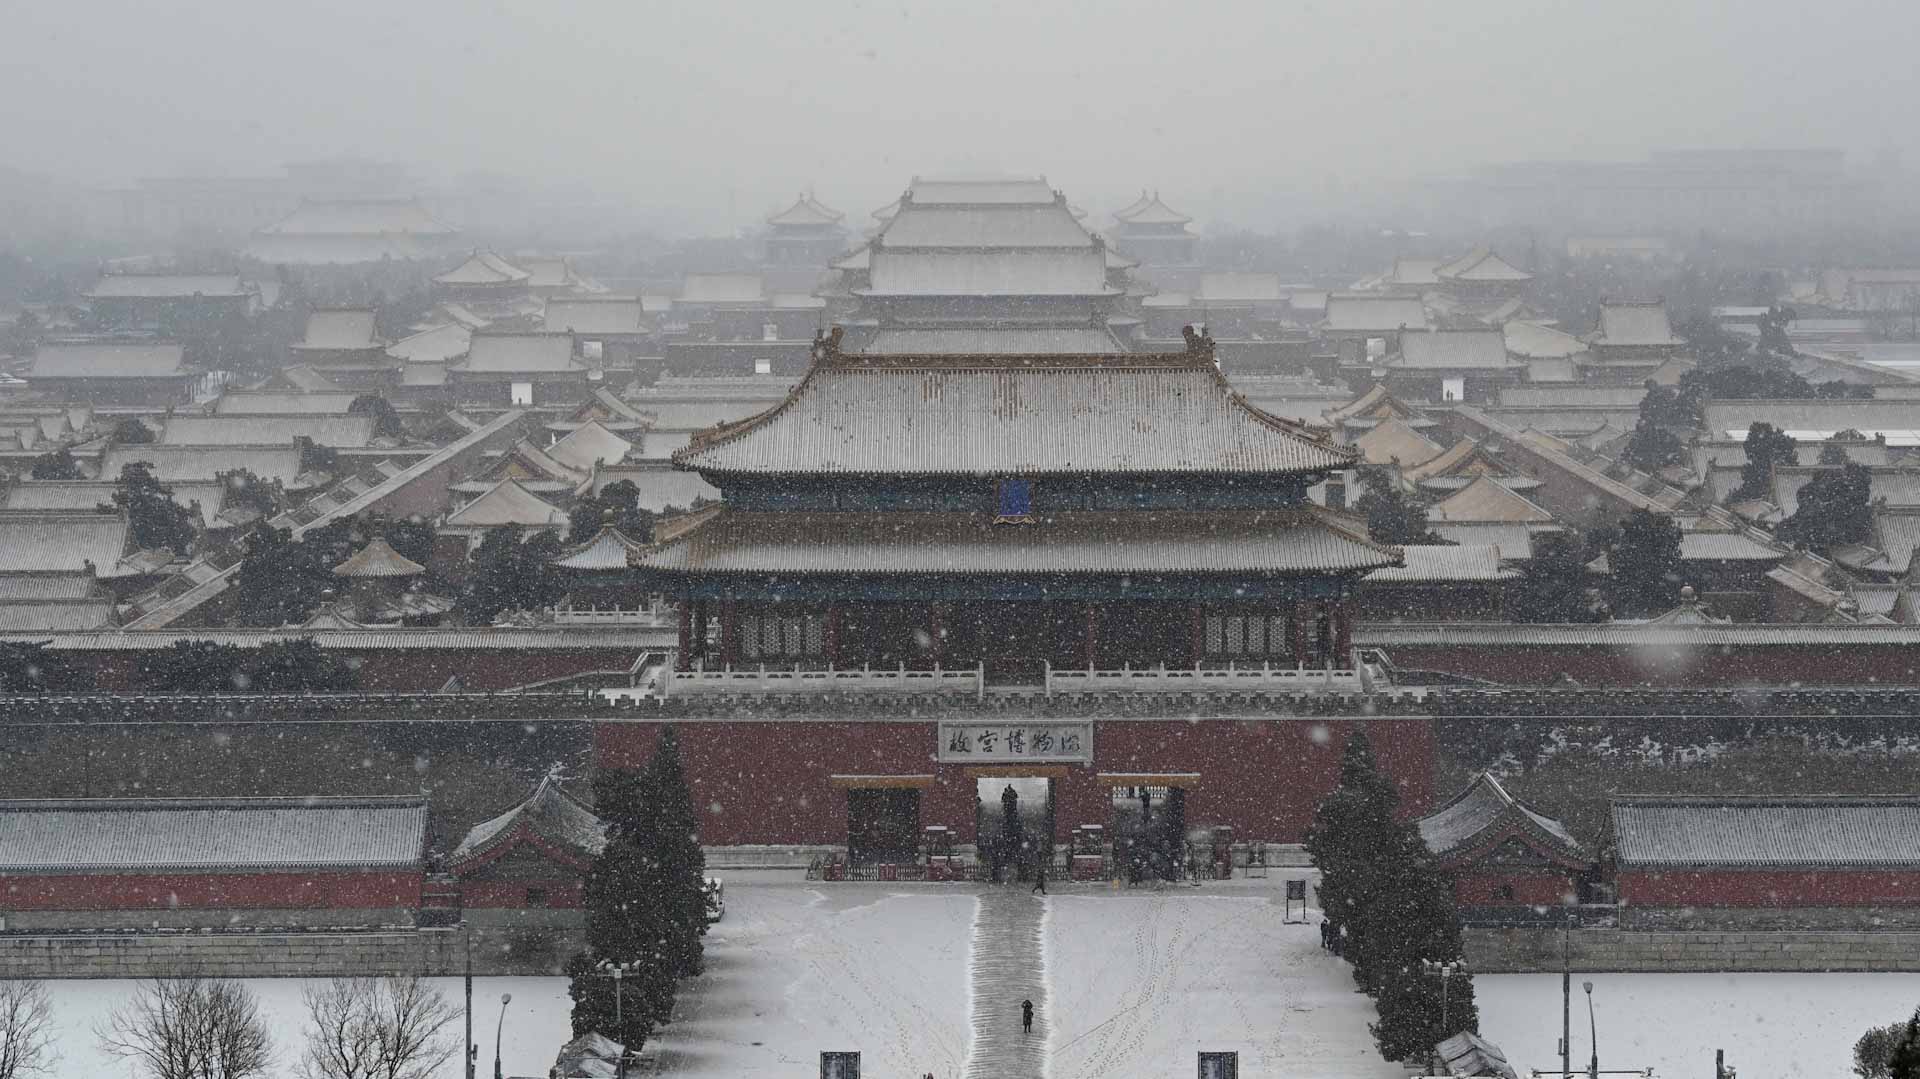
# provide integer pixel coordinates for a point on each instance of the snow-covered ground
(1141, 981)
(1773, 1026)
(797, 968)
(536, 1023)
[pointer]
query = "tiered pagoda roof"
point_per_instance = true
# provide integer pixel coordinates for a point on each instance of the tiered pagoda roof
(1014, 415)
(1294, 541)
(1149, 210)
(1482, 265)
(807, 212)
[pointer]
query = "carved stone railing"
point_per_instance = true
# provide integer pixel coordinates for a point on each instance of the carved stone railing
(755, 680)
(1362, 677)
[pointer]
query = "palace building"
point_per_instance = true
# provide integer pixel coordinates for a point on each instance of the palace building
(1015, 514)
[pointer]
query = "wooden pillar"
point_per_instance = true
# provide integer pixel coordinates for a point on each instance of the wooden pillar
(1343, 633)
(1297, 630)
(700, 630)
(729, 632)
(1197, 635)
(1092, 642)
(830, 638)
(936, 632)
(684, 660)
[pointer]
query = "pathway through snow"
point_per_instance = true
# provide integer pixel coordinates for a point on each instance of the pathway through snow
(1009, 966)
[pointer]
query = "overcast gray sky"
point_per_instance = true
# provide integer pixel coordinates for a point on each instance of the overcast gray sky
(716, 107)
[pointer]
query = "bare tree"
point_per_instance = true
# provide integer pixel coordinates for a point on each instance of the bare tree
(26, 1022)
(376, 1028)
(190, 1028)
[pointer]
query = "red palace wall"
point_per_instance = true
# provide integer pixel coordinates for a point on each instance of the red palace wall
(768, 782)
(1769, 888)
(293, 890)
(1531, 888)
(562, 894)
(408, 670)
(1597, 665)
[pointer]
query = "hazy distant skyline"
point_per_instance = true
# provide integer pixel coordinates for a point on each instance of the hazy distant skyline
(723, 111)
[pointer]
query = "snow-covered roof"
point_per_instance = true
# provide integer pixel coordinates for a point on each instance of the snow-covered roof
(1004, 272)
(484, 268)
(1428, 563)
(589, 443)
(1454, 350)
(607, 550)
(1480, 264)
(91, 835)
(807, 211)
(979, 191)
(1486, 499)
(1375, 313)
(549, 814)
(1482, 811)
(1049, 225)
(506, 503)
(1393, 442)
(1816, 831)
(1149, 210)
(993, 341)
(1235, 286)
(1639, 325)
(335, 431)
(440, 344)
(716, 288)
(54, 542)
(337, 329)
(378, 559)
(107, 361)
(608, 315)
(515, 353)
(269, 403)
(206, 463)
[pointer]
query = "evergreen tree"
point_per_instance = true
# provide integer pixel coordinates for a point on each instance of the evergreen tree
(1411, 923)
(1391, 516)
(682, 864)
(153, 517)
(191, 666)
(29, 667)
(1904, 1061)
(386, 422)
(1872, 1051)
(623, 924)
(1555, 585)
(616, 504)
(1352, 826)
(1653, 447)
(1645, 558)
(131, 432)
(509, 575)
(280, 580)
(1766, 448)
(1835, 508)
(296, 666)
(58, 465)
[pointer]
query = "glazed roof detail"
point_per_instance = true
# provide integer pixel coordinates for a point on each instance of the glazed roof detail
(1014, 415)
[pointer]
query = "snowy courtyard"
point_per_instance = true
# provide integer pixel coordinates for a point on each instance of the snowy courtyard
(536, 1023)
(1142, 981)
(1131, 982)
(797, 968)
(1773, 1026)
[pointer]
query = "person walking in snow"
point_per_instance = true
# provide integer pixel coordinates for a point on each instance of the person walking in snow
(1026, 1017)
(1040, 877)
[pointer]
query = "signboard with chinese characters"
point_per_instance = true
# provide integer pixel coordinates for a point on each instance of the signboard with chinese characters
(1015, 742)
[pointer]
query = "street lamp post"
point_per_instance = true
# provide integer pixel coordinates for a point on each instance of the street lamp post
(505, 999)
(1593, 1034)
(1446, 971)
(618, 971)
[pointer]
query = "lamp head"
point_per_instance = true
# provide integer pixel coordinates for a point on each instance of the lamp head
(1588, 986)
(507, 998)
